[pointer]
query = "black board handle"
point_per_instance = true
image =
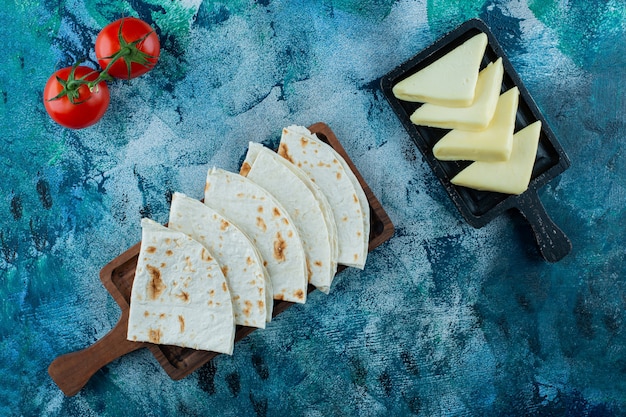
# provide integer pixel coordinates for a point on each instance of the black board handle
(553, 244)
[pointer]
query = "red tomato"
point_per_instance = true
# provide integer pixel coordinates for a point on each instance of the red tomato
(131, 43)
(70, 102)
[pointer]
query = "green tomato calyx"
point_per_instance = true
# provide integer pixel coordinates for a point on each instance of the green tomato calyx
(71, 86)
(129, 53)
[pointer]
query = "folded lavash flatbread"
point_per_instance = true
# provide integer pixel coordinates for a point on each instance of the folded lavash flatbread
(307, 206)
(238, 258)
(264, 220)
(179, 295)
(333, 175)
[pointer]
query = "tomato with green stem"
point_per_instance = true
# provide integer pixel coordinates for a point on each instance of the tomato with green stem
(76, 97)
(127, 48)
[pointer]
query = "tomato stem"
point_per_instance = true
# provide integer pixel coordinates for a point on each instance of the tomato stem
(71, 86)
(129, 52)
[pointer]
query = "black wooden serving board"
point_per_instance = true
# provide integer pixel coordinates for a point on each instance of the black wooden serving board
(480, 207)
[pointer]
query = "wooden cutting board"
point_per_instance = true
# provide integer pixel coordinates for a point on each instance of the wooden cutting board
(73, 370)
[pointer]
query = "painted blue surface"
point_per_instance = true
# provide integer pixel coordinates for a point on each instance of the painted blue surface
(444, 320)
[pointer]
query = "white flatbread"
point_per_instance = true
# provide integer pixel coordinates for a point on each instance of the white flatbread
(264, 220)
(333, 175)
(179, 295)
(239, 260)
(298, 195)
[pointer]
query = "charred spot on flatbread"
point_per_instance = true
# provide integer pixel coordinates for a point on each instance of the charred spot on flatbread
(156, 286)
(224, 224)
(151, 249)
(245, 168)
(261, 224)
(225, 270)
(247, 311)
(279, 247)
(299, 294)
(169, 252)
(184, 296)
(276, 212)
(189, 263)
(283, 151)
(154, 335)
(206, 256)
(181, 321)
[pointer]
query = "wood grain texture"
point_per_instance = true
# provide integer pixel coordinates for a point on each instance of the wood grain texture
(72, 371)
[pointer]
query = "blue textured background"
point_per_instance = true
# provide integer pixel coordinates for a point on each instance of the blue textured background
(445, 319)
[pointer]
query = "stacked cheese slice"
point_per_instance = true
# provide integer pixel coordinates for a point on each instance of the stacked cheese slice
(457, 95)
(282, 223)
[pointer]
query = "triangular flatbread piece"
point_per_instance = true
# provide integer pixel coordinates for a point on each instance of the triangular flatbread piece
(264, 220)
(303, 200)
(238, 258)
(179, 295)
(332, 174)
(449, 81)
(510, 177)
(477, 115)
(492, 144)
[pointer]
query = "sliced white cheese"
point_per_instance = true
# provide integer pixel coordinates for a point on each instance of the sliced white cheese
(449, 81)
(474, 117)
(492, 144)
(510, 177)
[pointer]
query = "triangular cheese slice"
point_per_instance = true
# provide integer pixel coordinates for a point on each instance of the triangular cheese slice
(492, 144)
(236, 255)
(474, 117)
(449, 81)
(179, 295)
(510, 177)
